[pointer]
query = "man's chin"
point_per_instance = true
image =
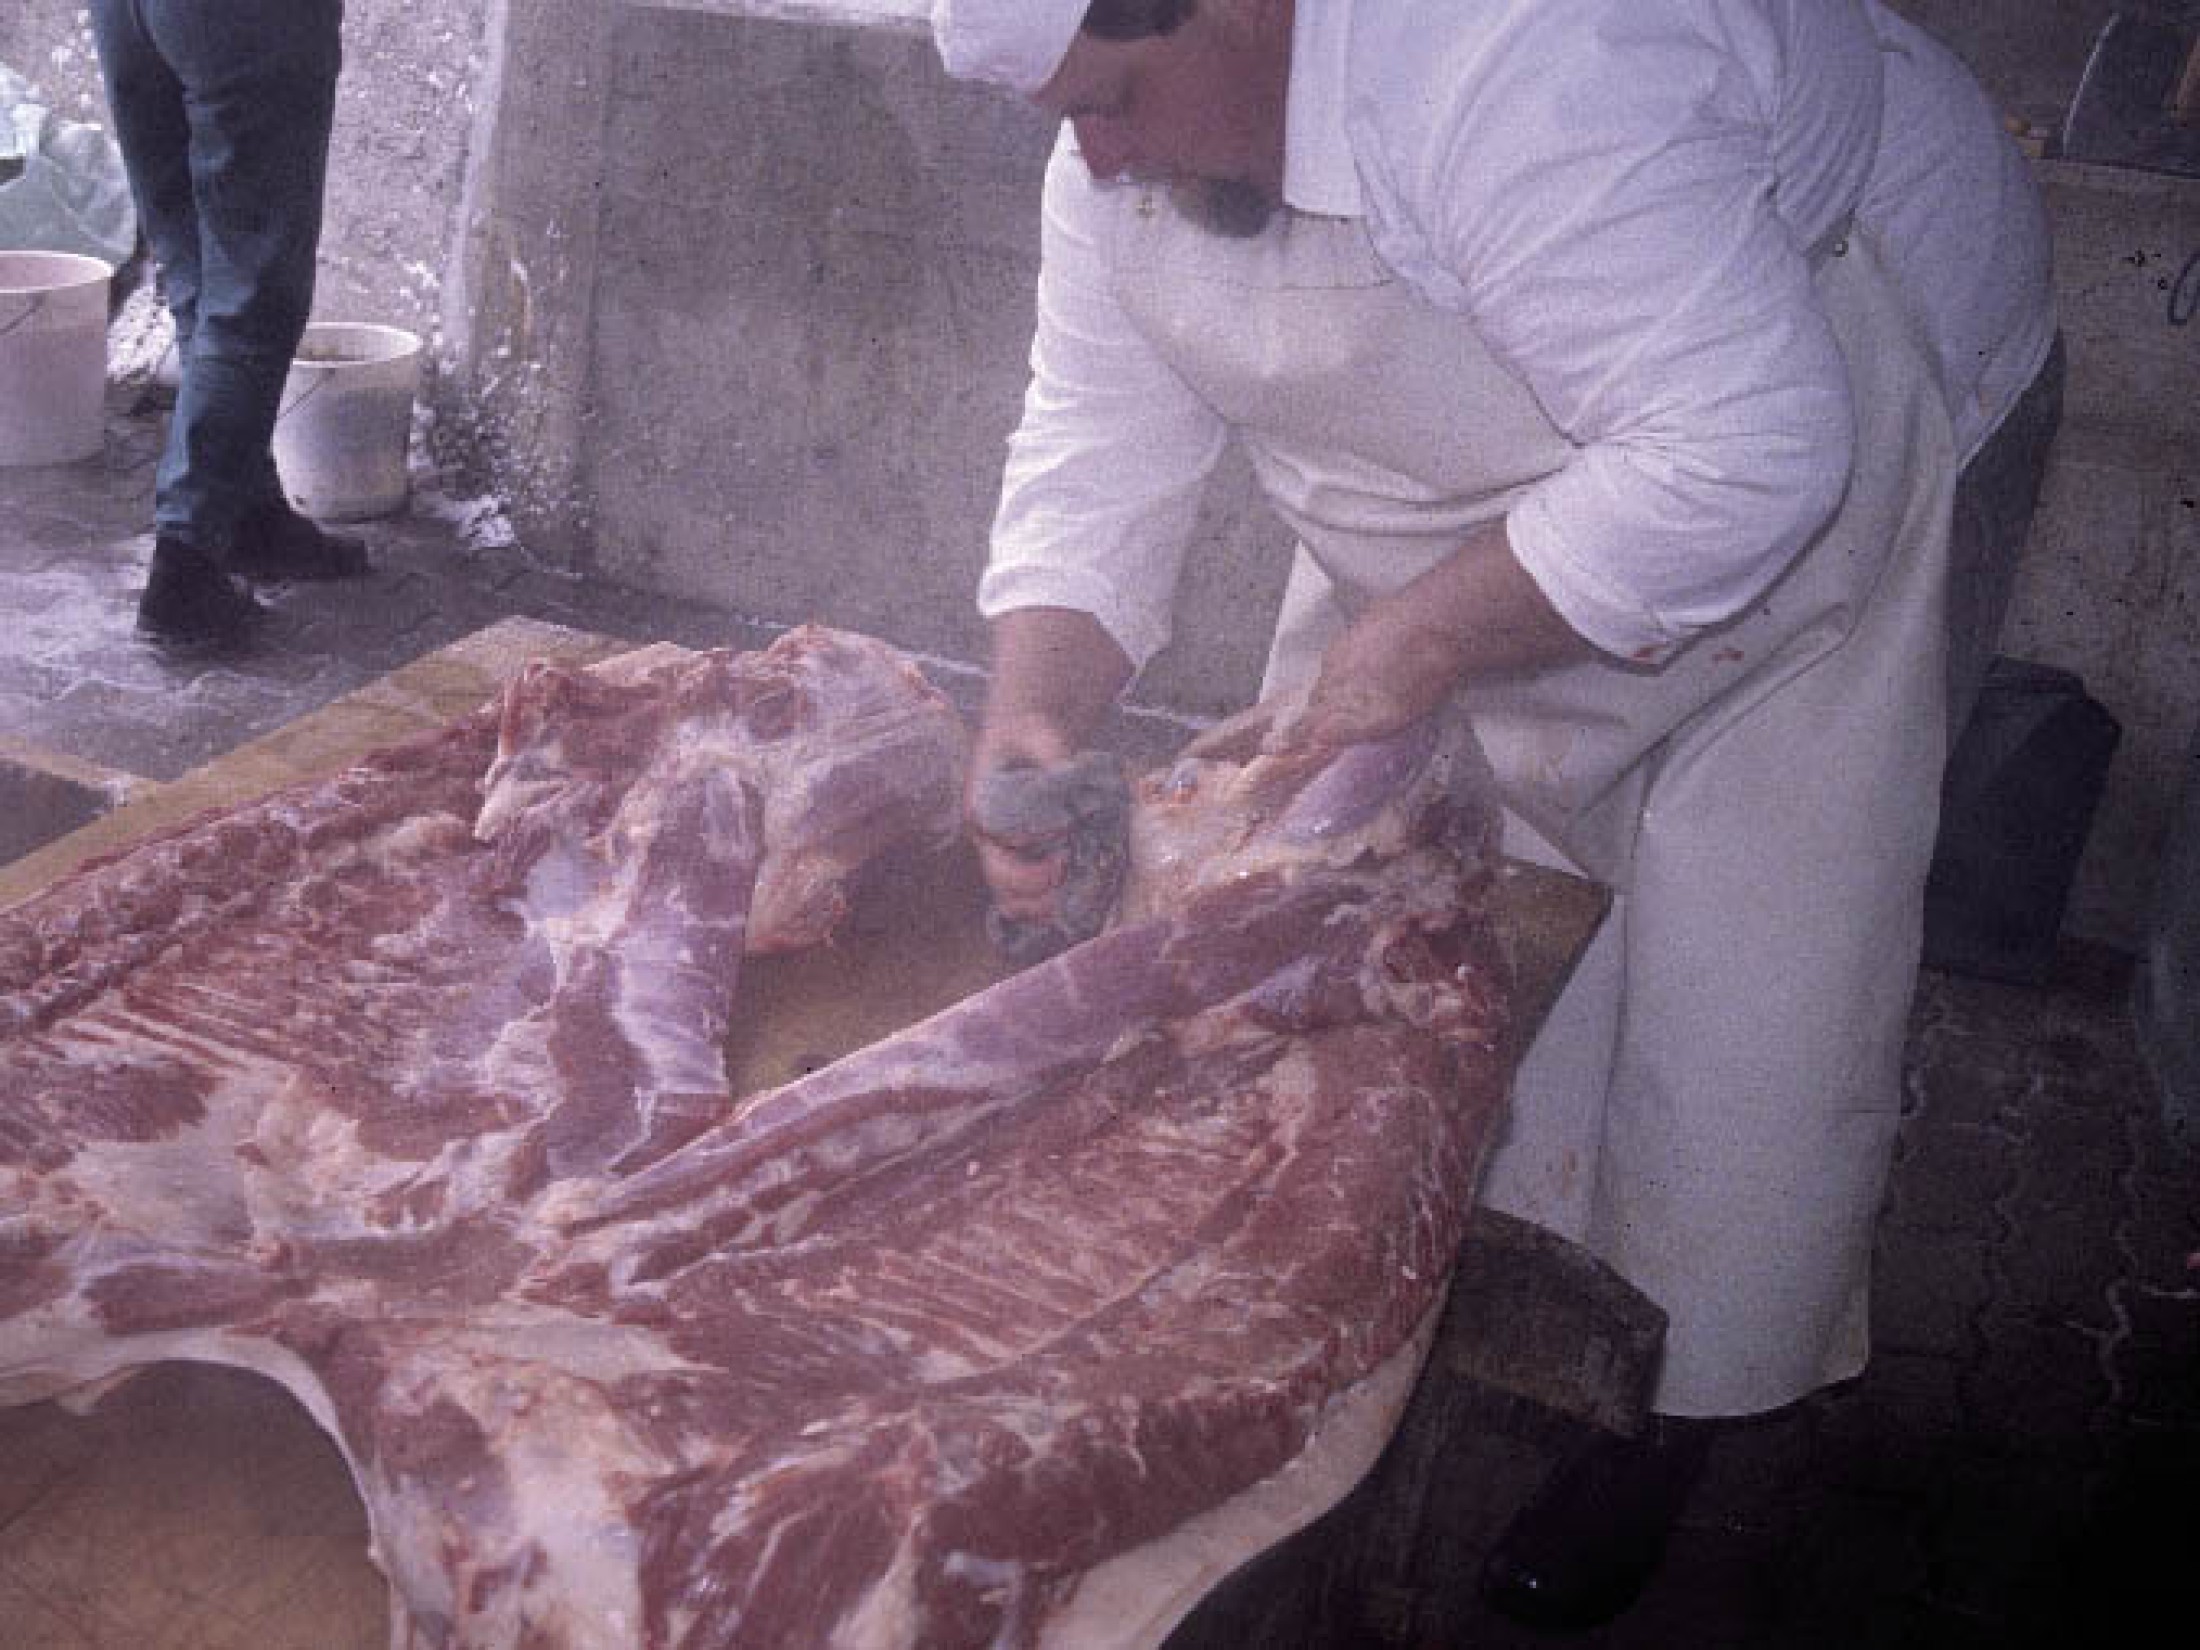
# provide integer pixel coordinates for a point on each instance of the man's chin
(1225, 206)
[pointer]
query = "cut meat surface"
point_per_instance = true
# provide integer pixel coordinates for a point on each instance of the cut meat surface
(406, 1091)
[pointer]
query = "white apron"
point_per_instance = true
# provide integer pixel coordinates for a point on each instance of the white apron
(1712, 1105)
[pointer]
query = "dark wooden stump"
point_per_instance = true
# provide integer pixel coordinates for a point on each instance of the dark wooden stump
(1539, 1344)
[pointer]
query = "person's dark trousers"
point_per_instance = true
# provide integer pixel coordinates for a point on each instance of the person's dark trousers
(222, 109)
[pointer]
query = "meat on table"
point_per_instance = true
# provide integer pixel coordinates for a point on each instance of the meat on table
(406, 1089)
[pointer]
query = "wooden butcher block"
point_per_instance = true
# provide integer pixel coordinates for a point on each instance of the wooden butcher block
(199, 1508)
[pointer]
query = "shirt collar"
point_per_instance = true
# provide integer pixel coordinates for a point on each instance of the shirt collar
(1318, 171)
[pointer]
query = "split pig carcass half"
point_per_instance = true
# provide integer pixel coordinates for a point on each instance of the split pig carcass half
(406, 1090)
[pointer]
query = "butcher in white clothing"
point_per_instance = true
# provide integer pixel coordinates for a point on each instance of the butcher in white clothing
(1618, 365)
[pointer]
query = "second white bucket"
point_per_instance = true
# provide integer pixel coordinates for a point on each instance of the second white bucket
(53, 356)
(345, 420)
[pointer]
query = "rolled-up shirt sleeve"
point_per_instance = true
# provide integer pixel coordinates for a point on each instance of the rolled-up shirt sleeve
(1105, 470)
(1616, 245)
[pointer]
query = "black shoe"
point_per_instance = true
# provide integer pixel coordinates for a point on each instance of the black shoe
(276, 545)
(190, 602)
(1582, 1550)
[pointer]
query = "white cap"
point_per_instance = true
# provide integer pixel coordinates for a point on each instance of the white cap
(1013, 43)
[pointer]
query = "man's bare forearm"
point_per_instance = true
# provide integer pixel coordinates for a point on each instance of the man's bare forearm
(1056, 674)
(1475, 614)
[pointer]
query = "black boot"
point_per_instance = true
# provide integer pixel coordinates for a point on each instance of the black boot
(190, 602)
(276, 545)
(1582, 1550)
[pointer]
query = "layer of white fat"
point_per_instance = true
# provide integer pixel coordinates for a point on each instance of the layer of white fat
(1136, 1599)
(886, 1615)
(562, 1479)
(584, 899)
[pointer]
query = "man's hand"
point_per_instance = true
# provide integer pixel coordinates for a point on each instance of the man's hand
(1476, 613)
(1393, 665)
(1023, 881)
(1073, 822)
(1055, 674)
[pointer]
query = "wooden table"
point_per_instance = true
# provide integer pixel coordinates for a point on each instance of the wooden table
(199, 1508)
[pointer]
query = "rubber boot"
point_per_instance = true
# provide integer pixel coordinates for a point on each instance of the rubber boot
(274, 544)
(1584, 1547)
(190, 602)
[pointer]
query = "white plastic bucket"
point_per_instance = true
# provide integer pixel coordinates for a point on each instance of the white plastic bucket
(53, 356)
(345, 419)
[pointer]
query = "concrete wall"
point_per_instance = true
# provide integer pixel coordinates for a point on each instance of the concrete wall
(730, 298)
(2110, 586)
(811, 318)
(725, 298)
(401, 156)
(2028, 53)
(49, 44)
